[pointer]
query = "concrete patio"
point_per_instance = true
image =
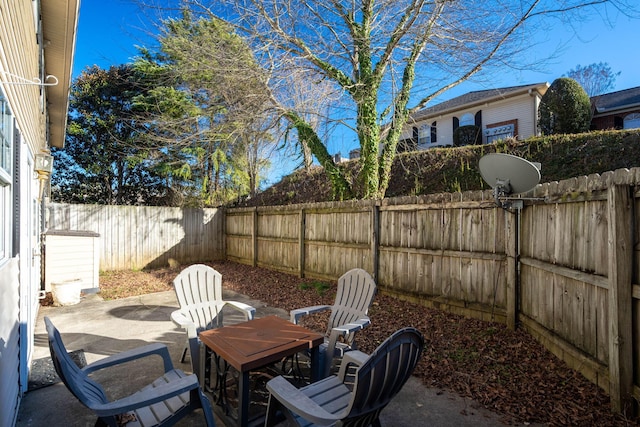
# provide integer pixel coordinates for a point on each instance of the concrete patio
(101, 328)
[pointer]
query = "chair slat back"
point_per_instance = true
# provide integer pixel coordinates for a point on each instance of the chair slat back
(382, 376)
(87, 391)
(197, 287)
(356, 290)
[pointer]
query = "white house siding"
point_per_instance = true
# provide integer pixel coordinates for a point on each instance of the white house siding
(522, 108)
(9, 337)
(19, 56)
(517, 105)
(21, 60)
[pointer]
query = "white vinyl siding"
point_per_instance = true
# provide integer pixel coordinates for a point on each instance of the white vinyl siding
(9, 333)
(20, 61)
(522, 108)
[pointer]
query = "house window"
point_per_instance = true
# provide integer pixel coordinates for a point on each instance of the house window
(6, 138)
(467, 120)
(499, 132)
(6, 133)
(424, 136)
(632, 121)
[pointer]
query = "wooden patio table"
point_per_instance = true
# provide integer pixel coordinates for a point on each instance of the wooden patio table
(256, 344)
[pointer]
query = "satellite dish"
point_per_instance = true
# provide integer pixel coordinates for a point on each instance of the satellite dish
(508, 174)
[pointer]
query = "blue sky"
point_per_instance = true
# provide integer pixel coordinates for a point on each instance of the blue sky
(109, 31)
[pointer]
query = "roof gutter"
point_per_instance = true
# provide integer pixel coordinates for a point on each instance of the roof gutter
(59, 28)
(529, 90)
(622, 109)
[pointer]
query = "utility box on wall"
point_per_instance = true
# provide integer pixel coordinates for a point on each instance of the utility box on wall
(72, 255)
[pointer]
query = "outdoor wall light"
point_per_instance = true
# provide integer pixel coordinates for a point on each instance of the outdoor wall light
(43, 167)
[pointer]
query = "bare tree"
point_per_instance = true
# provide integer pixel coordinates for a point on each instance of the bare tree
(208, 110)
(373, 51)
(594, 78)
(310, 95)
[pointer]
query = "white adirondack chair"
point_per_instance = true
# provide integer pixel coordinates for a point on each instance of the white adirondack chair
(331, 402)
(199, 292)
(163, 402)
(356, 290)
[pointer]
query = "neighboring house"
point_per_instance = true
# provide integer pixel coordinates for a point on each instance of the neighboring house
(37, 41)
(616, 110)
(498, 113)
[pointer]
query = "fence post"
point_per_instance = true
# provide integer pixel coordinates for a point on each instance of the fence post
(619, 296)
(375, 240)
(254, 237)
(301, 243)
(511, 222)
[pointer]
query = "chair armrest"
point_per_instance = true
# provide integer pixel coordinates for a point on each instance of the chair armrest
(296, 314)
(248, 310)
(355, 357)
(350, 328)
(344, 331)
(183, 321)
(133, 354)
(295, 401)
(147, 397)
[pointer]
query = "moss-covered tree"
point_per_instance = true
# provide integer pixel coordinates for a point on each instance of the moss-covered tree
(389, 58)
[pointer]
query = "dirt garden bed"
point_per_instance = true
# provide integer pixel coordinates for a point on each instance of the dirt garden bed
(505, 371)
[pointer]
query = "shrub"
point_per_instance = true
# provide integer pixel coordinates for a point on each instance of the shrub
(565, 108)
(467, 135)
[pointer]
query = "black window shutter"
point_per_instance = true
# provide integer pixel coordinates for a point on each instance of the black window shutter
(478, 119)
(16, 191)
(618, 122)
(456, 123)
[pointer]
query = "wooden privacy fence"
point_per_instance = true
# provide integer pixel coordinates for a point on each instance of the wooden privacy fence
(422, 247)
(136, 237)
(565, 266)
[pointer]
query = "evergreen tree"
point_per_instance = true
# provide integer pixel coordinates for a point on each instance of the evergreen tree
(103, 161)
(207, 110)
(564, 108)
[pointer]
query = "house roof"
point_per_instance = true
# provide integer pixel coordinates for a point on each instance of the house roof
(615, 101)
(59, 28)
(477, 98)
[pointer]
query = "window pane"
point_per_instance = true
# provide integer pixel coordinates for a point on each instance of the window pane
(632, 121)
(6, 138)
(467, 120)
(4, 219)
(6, 133)
(499, 132)
(424, 135)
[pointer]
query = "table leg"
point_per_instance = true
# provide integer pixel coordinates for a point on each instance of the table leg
(202, 363)
(243, 399)
(207, 369)
(316, 369)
